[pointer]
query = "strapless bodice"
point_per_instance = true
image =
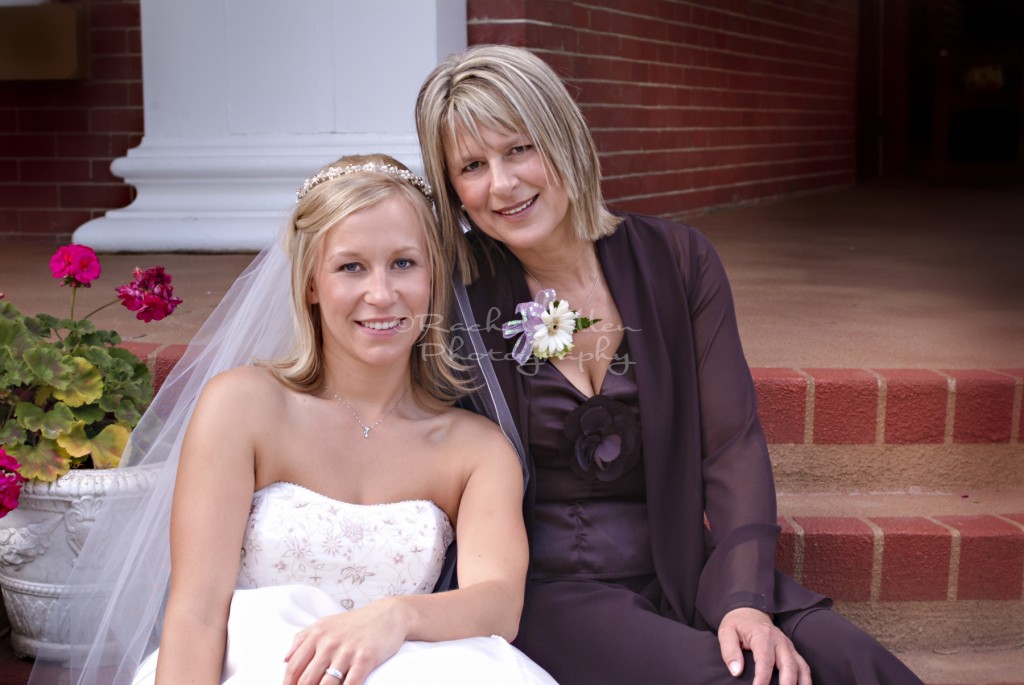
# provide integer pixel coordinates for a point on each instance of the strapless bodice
(355, 553)
(306, 557)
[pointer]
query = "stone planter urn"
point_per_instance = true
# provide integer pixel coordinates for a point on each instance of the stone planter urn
(40, 540)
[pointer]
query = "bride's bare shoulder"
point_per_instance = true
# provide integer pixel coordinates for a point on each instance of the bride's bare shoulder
(254, 386)
(477, 434)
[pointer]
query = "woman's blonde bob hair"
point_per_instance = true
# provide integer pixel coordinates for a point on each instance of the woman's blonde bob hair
(318, 211)
(508, 89)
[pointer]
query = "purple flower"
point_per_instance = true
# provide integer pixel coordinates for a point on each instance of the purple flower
(604, 439)
(10, 483)
(150, 294)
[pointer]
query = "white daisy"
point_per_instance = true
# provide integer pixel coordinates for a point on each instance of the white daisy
(553, 336)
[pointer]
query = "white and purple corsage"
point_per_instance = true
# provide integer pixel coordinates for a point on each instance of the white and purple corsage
(546, 326)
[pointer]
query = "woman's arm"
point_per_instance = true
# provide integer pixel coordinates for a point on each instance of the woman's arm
(736, 592)
(492, 571)
(212, 496)
(492, 557)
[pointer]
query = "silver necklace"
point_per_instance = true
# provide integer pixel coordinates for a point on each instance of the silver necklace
(367, 429)
(593, 288)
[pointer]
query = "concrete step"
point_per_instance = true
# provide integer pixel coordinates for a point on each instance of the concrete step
(863, 430)
(960, 469)
(916, 571)
(901, 495)
(968, 666)
(912, 502)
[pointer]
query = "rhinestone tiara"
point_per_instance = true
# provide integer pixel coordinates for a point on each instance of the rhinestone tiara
(389, 169)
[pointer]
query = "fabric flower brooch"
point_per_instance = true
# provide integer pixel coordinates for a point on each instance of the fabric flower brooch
(603, 439)
(545, 326)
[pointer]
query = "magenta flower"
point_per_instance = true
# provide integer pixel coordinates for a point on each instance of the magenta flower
(10, 483)
(76, 264)
(150, 294)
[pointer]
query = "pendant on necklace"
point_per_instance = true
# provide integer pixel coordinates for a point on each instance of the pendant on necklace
(367, 429)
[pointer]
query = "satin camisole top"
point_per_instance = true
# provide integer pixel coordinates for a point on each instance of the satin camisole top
(591, 510)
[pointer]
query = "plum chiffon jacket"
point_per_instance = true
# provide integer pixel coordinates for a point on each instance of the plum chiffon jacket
(704, 451)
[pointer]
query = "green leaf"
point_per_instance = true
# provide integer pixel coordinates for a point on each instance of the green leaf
(75, 325)
(109, 402)
(108, 446)
(12, 434)
(45, 461)
(50, 423)
(90, 413)
(108, 338)
(42, 396)
(136, 381)
(98, 356)
(139, 391)
(105, 448)
(126, 355)
(42, 324)
(49, 366)
(8, 312)
(15, 373)
(75, 442)
(129, 357)
(128, 413)
(15, 338)
(9, 332)
(84, 386)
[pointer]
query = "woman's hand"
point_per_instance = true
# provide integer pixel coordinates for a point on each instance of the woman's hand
(355, 643)
(753, 630)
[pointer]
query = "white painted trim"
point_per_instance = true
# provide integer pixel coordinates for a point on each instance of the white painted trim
(245, 100)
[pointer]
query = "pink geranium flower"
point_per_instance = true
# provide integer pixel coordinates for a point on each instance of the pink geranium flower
(76, 264)
(10, 483)
(150, 294)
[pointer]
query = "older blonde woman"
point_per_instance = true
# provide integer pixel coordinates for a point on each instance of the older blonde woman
(650, 505)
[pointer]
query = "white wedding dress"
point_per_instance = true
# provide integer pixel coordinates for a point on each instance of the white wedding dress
(306, 556)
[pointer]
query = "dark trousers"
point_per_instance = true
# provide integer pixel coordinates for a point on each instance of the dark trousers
(593, 633)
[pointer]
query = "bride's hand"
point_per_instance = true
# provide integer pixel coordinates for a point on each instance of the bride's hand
(354, 643)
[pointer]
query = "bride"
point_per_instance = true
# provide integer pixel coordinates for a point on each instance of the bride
(317, 492)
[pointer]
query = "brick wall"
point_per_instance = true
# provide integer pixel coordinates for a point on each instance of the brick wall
(58, 138)
(700, 104)
(693, 104)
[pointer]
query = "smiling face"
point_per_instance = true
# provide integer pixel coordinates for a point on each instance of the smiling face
(372, 284)
(502, 182)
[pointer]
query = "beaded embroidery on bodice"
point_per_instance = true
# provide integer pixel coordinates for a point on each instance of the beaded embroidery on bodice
(355, 553)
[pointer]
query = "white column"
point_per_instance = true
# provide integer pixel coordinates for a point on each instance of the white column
(243, 100)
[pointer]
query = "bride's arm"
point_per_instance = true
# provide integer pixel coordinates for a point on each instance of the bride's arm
(492, 556)
(491, 571)
(212, 496)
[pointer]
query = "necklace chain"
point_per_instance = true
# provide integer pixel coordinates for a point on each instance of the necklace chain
(367, 429)
(593, 288)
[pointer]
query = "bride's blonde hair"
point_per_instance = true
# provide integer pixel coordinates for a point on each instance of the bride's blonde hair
(352, 184)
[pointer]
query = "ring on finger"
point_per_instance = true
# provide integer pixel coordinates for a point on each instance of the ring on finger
(334, 673)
